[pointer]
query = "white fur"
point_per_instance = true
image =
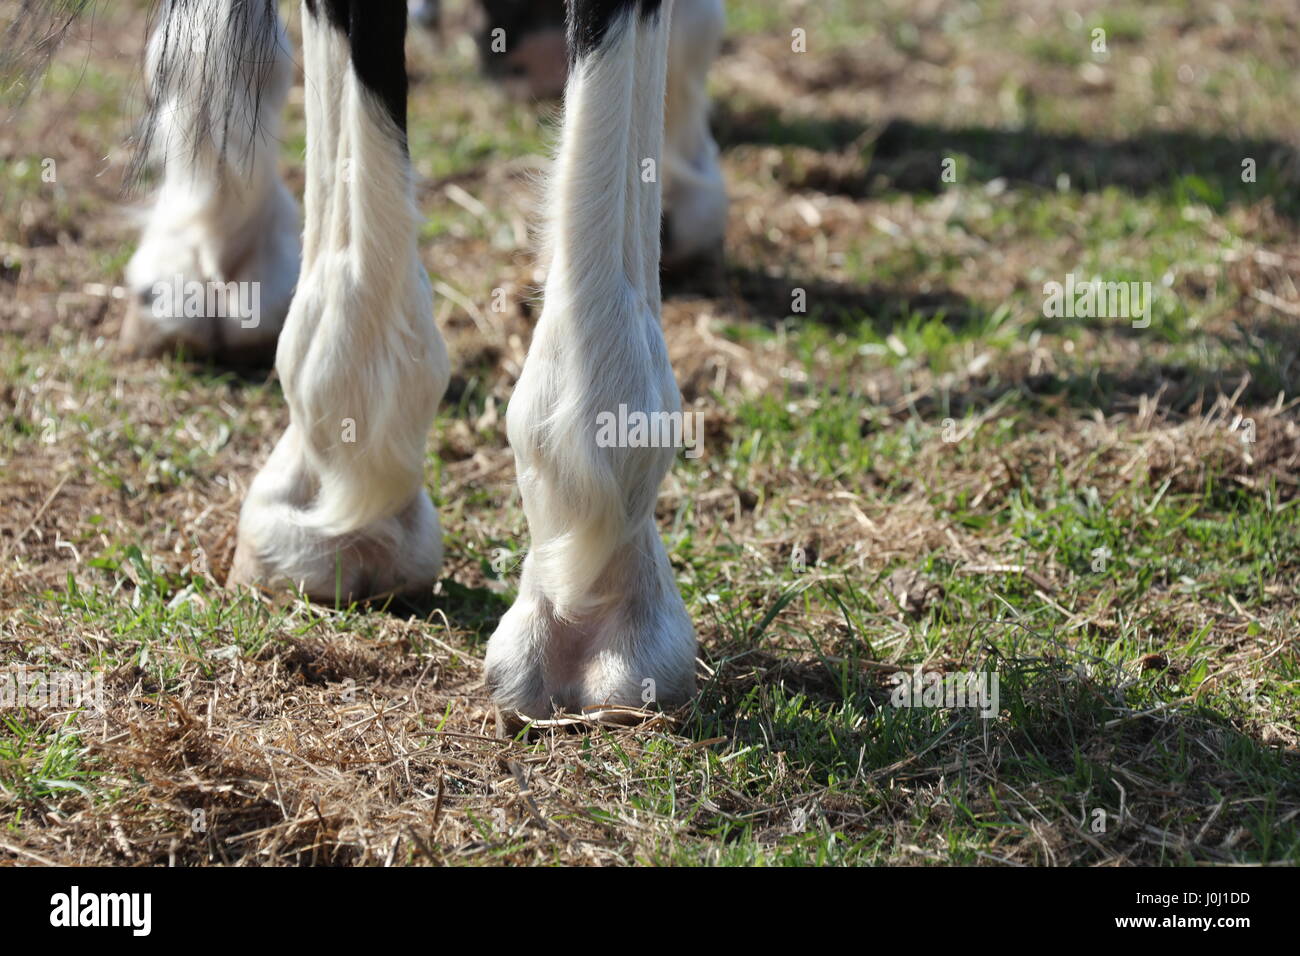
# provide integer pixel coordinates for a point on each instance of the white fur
(599, 620)
(598, 613)
(215, 222)
(360, 357)
(695, 194)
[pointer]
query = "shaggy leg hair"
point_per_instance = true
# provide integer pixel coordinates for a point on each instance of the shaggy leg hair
(222, 230)
(340, 508)
(598, 620)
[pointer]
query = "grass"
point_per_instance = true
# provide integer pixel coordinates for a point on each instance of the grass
(918, 468)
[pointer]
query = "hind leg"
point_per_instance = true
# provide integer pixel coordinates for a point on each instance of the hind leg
(218, 257)
(530, 58)
(695, 193)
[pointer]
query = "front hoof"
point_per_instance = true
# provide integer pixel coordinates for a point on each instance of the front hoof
(619, 663)
(396, 556)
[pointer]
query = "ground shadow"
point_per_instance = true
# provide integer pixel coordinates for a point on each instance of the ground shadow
(1059, 742)
(477, 610)
(766, 126)
(1262, 360)
(905, 156)
(769, 300)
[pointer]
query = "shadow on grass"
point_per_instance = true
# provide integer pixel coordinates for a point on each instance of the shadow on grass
(1182, 388)
(769, 300)
(905, 156)
(477, 610)
(767, 126)
(1255, 361)
(1205, 168)
(1262, 352)
(1102, 765)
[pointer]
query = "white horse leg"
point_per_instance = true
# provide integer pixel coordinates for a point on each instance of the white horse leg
(218, 259)
(340, 509)
(598, 620)
(695, 194)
